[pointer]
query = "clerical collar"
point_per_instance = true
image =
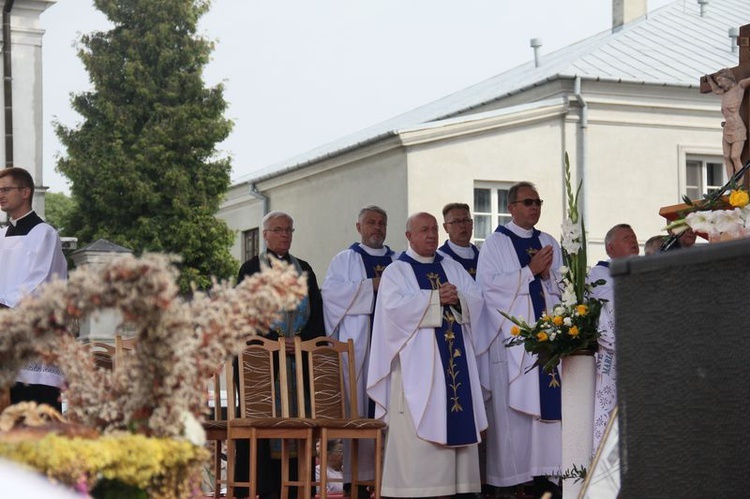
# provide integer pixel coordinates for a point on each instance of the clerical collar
(519, 231)
(462, 251)
(419, 258)
(15, 222)
(374, 251)
(273, 253)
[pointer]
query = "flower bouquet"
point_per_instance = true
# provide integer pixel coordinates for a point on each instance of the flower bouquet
(572, 325)
(731, 222)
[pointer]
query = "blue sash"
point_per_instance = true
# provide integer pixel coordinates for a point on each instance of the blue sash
(374, 267)
(602, 263)
(469, 264)
(461, 429)
(549, 384)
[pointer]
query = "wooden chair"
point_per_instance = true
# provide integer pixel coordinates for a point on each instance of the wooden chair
(260, 418)
(102, 353)
(334, 416)
(216, 427)
(124, 344)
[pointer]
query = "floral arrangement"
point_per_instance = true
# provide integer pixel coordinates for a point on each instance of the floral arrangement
(572, 325)
(180, 341)
(132, 464)
(731, 222)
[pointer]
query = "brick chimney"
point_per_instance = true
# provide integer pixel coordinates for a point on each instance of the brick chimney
(624, 11)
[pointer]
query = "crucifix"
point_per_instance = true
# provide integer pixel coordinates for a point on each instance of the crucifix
(732, 85)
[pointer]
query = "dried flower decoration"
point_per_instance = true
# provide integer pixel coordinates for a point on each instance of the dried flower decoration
(180, 341)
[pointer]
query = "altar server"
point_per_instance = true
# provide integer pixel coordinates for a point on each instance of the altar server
(30, 255)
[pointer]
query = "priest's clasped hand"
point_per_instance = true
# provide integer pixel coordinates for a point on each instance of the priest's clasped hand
(541, 262)
(448, 294)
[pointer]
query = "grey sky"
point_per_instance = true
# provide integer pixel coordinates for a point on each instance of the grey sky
(299, 73)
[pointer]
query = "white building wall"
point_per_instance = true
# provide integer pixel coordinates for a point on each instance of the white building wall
(325, 204)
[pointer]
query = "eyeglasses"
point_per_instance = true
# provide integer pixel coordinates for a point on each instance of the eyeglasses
(6, 190)
(281, 230)
(529, 202)
(462, 221)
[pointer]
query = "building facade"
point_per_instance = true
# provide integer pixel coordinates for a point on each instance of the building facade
(624, 105)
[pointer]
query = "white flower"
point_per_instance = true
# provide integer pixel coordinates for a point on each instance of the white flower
(568, 321)
(569, 296)
(728, 220)
(192, 429)
(571, 236)
(701, 221)
(564, 270)
(552, 336)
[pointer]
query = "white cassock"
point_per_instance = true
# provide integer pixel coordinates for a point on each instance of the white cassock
(348, 305)
(406, 380)
(27, 261)
(519, 444)
(606, 376)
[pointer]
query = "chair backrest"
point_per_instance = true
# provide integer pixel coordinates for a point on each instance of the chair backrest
(102, 353)
(260, 381)
(326, 370)
(221, 382)
(124, 344)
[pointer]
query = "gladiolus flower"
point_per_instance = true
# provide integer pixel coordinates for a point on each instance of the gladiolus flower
(542, 336)
(515, 331)
(573, 331)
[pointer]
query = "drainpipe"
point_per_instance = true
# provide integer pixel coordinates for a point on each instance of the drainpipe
(582, 147)
(254, 192)
(8, 84)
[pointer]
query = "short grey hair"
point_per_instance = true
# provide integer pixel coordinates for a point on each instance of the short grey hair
(371, 207)
(276, 214)
(611, 233)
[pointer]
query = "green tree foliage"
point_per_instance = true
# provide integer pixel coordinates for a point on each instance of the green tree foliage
(58, 211)
(143, 165)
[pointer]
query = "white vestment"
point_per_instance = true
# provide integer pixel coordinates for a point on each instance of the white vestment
(519, 444)
(606, 376)
(348, 303)
(404, 336)
(27, 261)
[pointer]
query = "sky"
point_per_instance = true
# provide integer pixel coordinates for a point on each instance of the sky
(301, 73)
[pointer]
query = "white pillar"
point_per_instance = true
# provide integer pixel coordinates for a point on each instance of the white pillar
(578, 390)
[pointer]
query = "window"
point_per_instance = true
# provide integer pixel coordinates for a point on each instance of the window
(250, 244)
(703, 175)
(490, 209)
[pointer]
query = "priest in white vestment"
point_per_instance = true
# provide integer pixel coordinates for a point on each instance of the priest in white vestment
(619, 242)
(349, 292)
(459, 226)
(423, 374)
(30, 255)
(517, 275)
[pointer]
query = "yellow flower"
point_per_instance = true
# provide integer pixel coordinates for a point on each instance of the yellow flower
(541, 336)
(739, 198)
(573, 331)
(582, 309)
(515, 331)
(557, 320)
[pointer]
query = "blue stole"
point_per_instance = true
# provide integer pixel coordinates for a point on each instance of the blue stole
(291, 322)
(602, 263)
(374, 267)
(549, 384)
(469, 264)
(461, 429)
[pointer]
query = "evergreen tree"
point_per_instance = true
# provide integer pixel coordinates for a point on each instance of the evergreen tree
(58, 210)
(143, 165)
